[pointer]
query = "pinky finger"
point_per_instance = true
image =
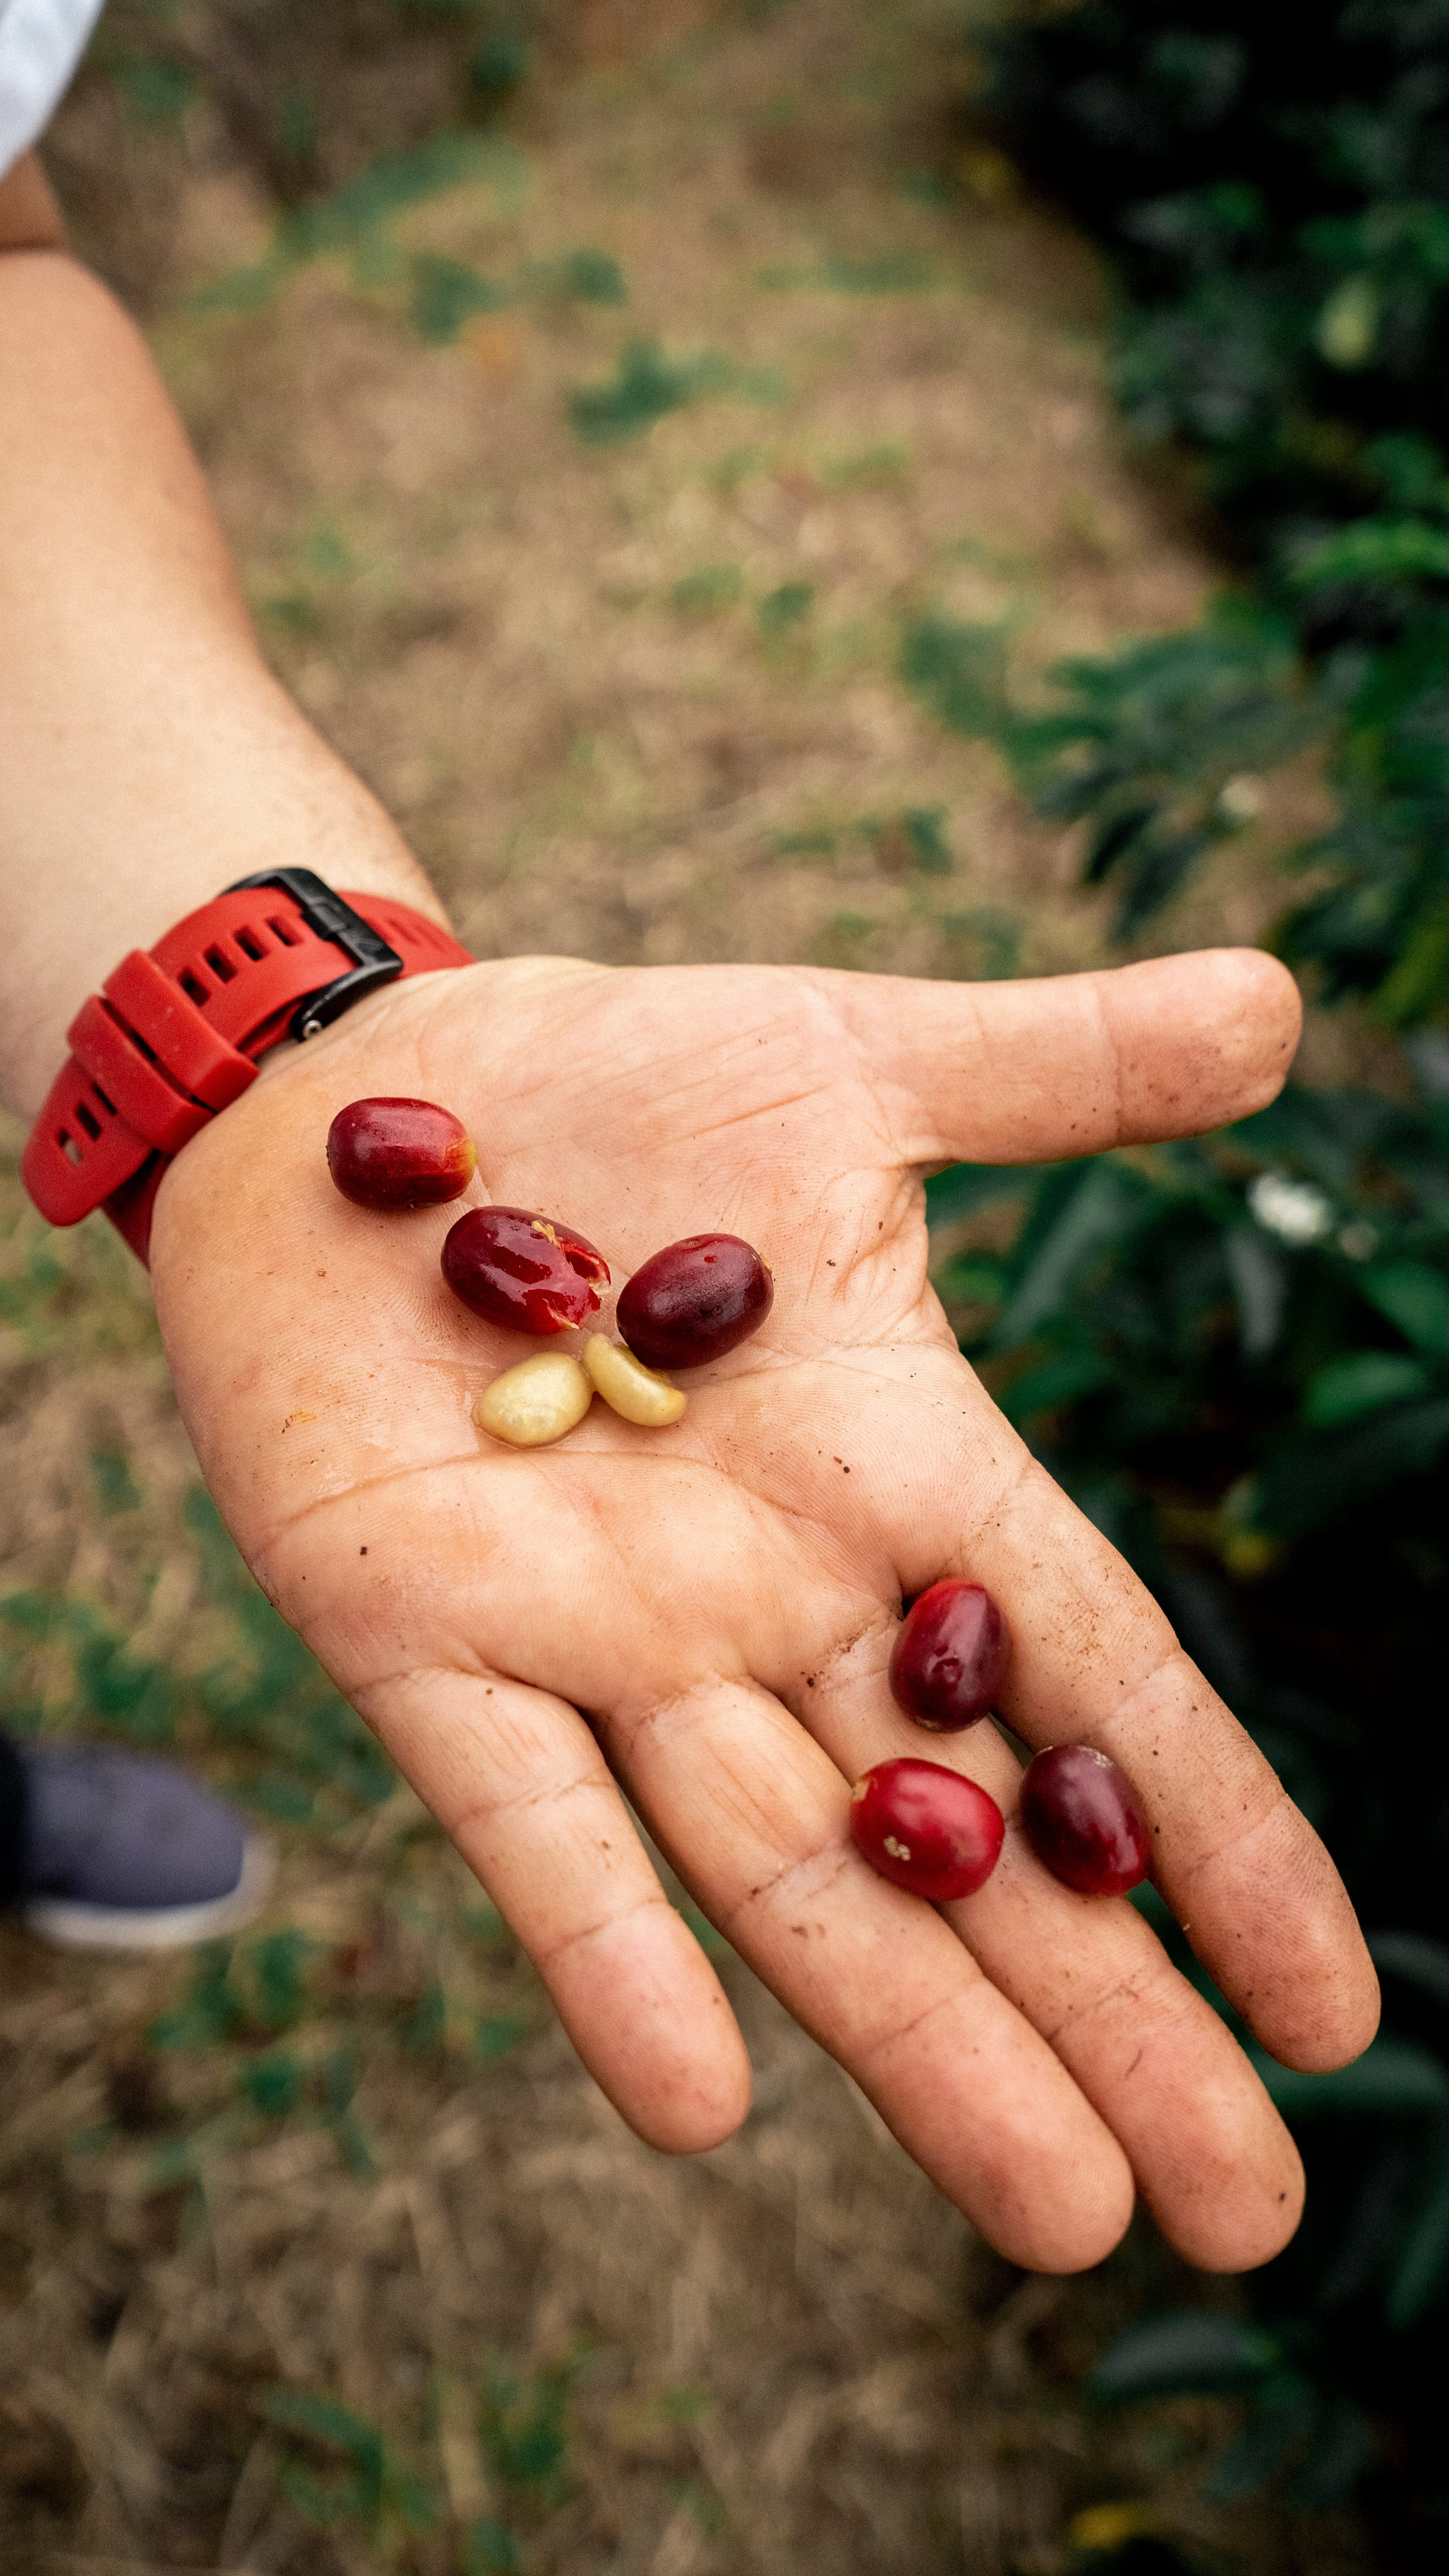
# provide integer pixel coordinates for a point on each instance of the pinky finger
(517, 1780)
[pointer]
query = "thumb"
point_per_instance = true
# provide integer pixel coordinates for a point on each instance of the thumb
(1071, 1064)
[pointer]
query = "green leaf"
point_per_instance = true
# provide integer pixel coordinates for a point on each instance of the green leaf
(115, 1485)
(960, 671)
(1191, 2353)
(1103, 1209)
(924, 828)
(211, 2012)
(272, 2084)
(446, 293)
(1419, 979)
(1377, 550)
(1415, 1298)
(277, 1968)
(645, 386)
(786, 607)
(496, 2036)
(1361, 1384)
(589, 277)
(1394, 2079)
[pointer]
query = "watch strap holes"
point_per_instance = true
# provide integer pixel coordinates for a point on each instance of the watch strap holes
(249, 944)
(220, 964)
(285, 931)
(194, 989)
(69, 1147)
(89, 1121)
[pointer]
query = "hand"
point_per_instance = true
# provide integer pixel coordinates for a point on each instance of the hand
(704, 1615)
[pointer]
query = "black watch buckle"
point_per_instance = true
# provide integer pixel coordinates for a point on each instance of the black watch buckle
(374, 962)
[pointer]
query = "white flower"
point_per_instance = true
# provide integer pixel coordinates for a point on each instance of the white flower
(1293, 1210)
(1241, 801)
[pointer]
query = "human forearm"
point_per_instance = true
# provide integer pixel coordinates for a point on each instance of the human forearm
(147, 756)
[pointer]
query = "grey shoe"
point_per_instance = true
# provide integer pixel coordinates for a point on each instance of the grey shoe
(121, 1852)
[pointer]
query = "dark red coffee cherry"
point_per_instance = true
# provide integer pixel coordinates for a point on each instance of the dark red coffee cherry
(694, 1301)
(1081, 1817)
(522, 1270)
(950, 1654)
(926, 1828)
(399, 1153)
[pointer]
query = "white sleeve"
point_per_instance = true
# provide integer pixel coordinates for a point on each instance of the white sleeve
(41, 41)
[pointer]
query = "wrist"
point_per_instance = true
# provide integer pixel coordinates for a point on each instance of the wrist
(175, 1035)
(150, 757)
(56, 958)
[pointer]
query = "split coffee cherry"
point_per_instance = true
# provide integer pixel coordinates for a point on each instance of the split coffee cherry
(926, 1828)
(694, 1301)
(522, 1271)
(399, 1153)
(1081, 1817)
(949, 1656)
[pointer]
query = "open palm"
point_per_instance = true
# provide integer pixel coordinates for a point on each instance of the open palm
(702, 1617)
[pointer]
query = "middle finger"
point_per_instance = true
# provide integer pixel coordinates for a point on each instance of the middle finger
(754, 1816)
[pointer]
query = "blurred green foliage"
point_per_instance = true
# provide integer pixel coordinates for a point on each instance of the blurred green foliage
(1277, 211)
(342, 2473)
(647, 384)
(308, 97)
(1234, 1354)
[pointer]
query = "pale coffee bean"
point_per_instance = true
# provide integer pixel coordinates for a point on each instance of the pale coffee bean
(536, 1402)
(640, 1394)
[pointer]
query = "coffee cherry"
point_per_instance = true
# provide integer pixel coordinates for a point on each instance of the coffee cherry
(399, 1153)
(695, 1300)
(926, 1828)
(522, 1271)
(1081, 1817)
(636, 1393)
(536, 1402)
(950, 1653)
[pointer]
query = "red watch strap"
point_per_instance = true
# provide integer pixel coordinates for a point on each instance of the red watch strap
(175, 1036)
(175, 1030)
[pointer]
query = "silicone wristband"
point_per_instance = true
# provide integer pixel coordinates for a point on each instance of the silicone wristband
(175, 1036)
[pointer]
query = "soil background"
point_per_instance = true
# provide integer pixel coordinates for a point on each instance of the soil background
(588, 444)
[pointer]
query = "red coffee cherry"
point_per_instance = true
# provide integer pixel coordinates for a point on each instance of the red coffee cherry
(399, 1153)
(694, 1301)
(522, 1271)
(1081, 1817)
(950, 1653)
(926, 1828)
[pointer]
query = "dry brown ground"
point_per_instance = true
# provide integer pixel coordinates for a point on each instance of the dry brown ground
(570, 671)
